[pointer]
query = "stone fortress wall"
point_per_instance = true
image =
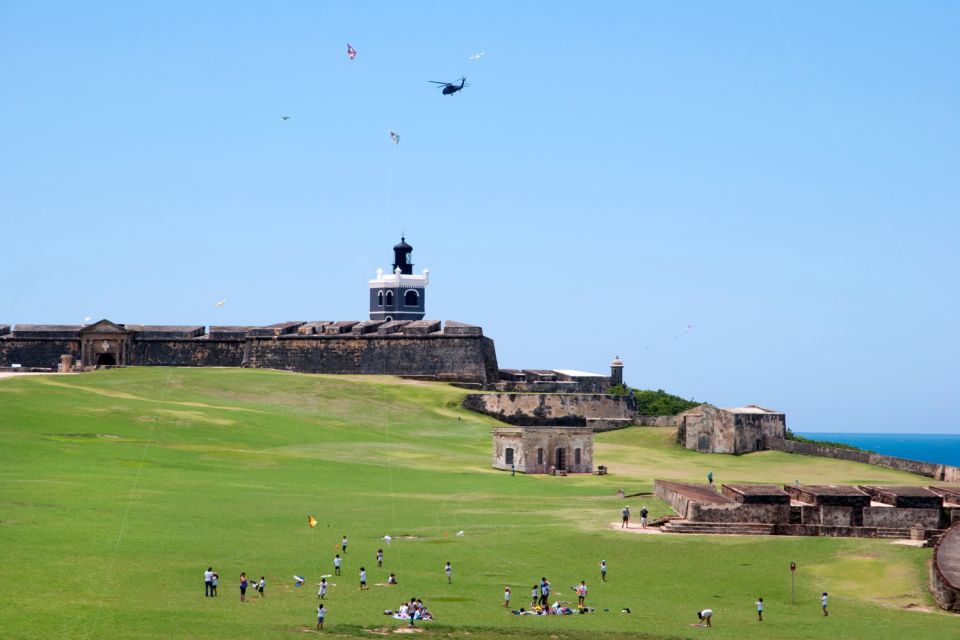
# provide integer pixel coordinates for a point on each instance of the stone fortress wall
(451, 351)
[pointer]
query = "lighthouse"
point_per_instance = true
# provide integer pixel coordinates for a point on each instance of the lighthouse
(399, 295)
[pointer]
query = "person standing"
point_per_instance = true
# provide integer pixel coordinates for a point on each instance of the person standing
(534, 596)
(710, 477)
(379, 558)
(581, 593)
(603, 570)
(216, 581)
(343, 545)
(243, 586)
(363, 578)
(336, 565)
(321, 614)
(643, 517)
(705, 616)
(823, 603)
(323, 589)
(625, 512)
(260, 586)
(506, 597)
(544, 592)
(760, 609)
(449, 571)
(208, 582)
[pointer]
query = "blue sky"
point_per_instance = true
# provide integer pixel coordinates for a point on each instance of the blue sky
(783, 176)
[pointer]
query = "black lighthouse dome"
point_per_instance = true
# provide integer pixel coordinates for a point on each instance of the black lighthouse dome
(403, 257)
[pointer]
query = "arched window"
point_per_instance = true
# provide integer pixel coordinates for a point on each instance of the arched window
(380, 298)
(508, 455)
(411, 298)
(389, 298)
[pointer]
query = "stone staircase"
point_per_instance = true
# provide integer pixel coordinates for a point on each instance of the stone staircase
(721, 528)
(893, 534)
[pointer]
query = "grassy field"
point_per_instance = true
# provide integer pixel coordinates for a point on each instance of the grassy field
(117, 489)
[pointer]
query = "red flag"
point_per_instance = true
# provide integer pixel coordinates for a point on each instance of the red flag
(351, 52)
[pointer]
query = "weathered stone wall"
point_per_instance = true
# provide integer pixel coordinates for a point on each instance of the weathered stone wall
(900, 517)
(944, 568)
(658, 421)
(432, 356)
(37, 352)
(711, 430)
(201, 352)
(554, 409)
(739, 513)
(941, 472)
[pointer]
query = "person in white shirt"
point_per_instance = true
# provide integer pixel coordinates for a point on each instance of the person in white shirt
(321, 614)
(363, 578)
(260, 586)
(343, 545)
(323, 589)
(449, 571)
(760, 609)
(506, 597)
(336, 565)
(208, 582)
(705, 617)
(823, 602)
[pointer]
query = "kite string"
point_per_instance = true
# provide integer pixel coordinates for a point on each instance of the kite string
(126, 513)
(867, 193)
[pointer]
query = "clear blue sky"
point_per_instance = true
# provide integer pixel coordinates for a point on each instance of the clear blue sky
(616, 171)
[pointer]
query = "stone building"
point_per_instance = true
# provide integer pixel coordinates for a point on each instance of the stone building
(708, 429)
(400, 295)
(536, 449)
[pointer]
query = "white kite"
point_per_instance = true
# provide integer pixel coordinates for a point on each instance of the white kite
(220, 303)
(298, 581)
(477, 56)
(460, 533)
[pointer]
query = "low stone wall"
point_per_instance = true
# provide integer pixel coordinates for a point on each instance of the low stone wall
(561, 409)
(657, 421)
(738, 513)
(203, 352)
(940, 472)
(901, 517)
(946, 563)
(37, 352)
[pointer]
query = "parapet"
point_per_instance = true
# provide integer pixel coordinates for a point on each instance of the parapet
(4, 329)
(47, 331)
(165, 332)
(278, 329)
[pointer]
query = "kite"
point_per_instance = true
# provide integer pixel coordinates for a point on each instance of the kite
(311, 521)
(394, 137)
(388, 539)
(220, 303)
(87, 319)
(298, 581)
(477, 56)
(284, 117)
(460, 533)
(351, 52)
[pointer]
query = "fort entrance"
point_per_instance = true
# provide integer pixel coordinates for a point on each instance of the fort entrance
(105, 344)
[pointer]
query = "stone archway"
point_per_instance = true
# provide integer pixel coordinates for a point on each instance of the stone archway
(106, 360)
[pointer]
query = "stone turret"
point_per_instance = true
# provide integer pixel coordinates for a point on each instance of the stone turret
(400, 295)
(616, 371)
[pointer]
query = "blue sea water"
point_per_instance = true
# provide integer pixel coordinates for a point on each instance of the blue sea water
(938, 448)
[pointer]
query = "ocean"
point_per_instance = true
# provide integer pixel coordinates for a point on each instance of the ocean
(938, 448)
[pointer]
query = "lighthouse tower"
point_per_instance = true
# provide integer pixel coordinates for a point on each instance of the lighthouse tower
(399, 295)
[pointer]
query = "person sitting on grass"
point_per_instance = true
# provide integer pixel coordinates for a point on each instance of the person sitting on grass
(392, 579)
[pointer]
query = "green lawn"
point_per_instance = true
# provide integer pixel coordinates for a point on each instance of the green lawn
(117, 489)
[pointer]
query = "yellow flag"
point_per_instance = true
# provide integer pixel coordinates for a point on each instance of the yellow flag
(311, 521)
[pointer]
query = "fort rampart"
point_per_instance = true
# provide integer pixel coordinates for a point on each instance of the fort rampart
(945, 473)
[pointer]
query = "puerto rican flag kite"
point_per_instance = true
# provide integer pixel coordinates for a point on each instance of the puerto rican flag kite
(351, 52)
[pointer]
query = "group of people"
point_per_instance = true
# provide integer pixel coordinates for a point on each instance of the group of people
(412, 611)
(625, 515)
(706, 615)
(211, 580)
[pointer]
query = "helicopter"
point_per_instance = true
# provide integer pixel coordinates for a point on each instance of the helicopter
(450, 88)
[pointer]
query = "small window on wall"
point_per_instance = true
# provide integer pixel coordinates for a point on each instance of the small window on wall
(411, 298)
(539, 456)
(576, 456)
(380, 298)
(508, 455)
(389, 298)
